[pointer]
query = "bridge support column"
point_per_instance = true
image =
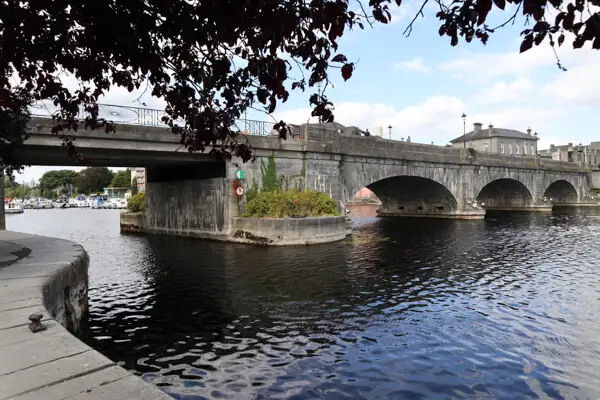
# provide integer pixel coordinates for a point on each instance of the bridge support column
(189, 200)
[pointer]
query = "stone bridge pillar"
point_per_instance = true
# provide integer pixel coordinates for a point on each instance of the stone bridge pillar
(189, 200)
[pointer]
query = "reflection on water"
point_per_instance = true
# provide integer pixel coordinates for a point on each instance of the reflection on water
(504, 307)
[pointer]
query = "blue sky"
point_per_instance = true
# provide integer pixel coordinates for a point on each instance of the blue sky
(421, 85)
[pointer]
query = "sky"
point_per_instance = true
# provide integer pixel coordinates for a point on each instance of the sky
(420, 85)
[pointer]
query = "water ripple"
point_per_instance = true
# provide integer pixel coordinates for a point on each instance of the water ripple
(501, 308)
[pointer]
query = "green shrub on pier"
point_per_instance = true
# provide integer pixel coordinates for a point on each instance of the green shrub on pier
(137, 203)
(291, 203)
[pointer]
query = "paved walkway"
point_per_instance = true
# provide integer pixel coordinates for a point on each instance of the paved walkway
(52, 364)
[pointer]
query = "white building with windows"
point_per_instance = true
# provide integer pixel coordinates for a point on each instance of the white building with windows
(498, 140)
(138, 178)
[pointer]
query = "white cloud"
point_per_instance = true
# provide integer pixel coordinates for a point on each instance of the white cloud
(482, 67)
(416, 64)
(437, 119)
(576, 87)
(501, 92)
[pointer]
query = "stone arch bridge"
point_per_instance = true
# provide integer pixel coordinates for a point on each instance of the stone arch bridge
(437, 189)
(429, 181)
(194, 194)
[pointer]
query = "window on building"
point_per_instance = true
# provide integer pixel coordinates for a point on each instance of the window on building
(510, 148)
(517, 149)
(532, 151)
(486, 147)
(502, 148)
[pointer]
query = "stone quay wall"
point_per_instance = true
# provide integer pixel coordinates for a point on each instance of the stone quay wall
(133, 222)
(47, 276)
(259, 231)
(289, 231)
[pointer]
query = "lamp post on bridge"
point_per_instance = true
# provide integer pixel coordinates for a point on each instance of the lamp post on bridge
(464, 118)
(390, 131)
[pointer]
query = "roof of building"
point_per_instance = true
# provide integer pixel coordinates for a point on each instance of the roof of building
(497, 132)
(594, 145)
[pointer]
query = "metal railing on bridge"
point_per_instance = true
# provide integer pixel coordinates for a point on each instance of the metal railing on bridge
(141, 116)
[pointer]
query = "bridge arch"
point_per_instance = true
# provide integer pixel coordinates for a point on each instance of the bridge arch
(561, 192)
(505, 194)
(413, 195)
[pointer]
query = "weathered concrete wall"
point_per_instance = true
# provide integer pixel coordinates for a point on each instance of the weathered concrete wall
(65, 293)
(133, 222)
(188, 203)
(289, 231)
(595, 179)
(49, 276)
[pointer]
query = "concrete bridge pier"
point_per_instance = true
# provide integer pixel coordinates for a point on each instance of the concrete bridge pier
(190, 200)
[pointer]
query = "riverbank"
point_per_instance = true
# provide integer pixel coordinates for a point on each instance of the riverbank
(48, 276)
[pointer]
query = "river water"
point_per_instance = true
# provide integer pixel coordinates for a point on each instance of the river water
(505, 308)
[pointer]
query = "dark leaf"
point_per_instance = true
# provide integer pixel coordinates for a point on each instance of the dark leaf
(347, 70)
(539, 38)
(500, 4)
(561, 39)
(527, 43)
(482, 7)
(339, 58)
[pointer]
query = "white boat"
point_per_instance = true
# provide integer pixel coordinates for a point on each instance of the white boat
(13, 207)
(98, 202)
(60, 204)
(115, 203)
(81, 201)
(42, 203)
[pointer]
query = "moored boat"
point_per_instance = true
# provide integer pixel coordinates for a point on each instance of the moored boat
(13, 207)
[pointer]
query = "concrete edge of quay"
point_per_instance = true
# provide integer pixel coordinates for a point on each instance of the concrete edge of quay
(289, 231)
(257, 231)
(49, 276)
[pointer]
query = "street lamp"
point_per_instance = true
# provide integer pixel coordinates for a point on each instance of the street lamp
(464, 118)
(390, 131)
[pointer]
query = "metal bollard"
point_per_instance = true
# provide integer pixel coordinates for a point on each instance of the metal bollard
(36, 323)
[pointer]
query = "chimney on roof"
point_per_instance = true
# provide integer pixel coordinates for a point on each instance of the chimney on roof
(490, 129)
(477, 127)
(529, 131)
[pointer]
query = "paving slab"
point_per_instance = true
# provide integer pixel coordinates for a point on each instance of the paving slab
(13, 305)
(19, 334)
(72, 387)
(129, 388)
(53, 372)
(40, 351)
(20, 316)
(20, 289)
